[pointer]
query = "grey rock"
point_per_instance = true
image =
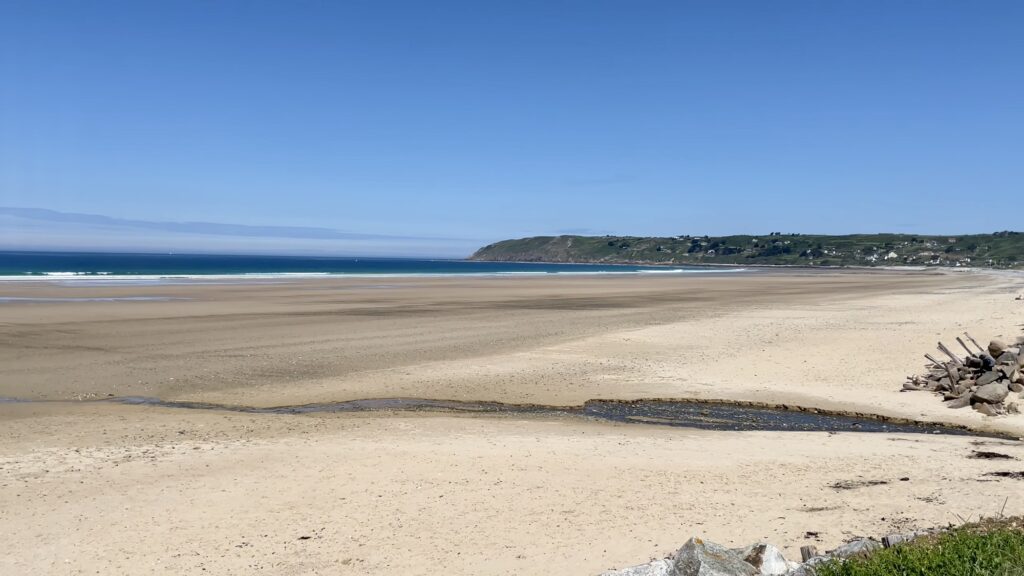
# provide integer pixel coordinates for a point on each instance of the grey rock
(859, 547)
(1016, 387)
(891, 540)
(961, 402)
(809, 568)
(656, 568)
(993, 393)
(989, 377)
(996, 347)
(986, 409)
(1007, 358)
(767, 559)
(897, 539)
(700, 558)
(1010, 372)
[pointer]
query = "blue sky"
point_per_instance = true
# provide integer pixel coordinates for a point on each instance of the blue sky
(484, 120)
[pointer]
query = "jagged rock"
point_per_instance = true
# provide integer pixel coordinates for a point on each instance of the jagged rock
(656, 568)
(993, 393)
(767, 559)
(987, 362)
(808, 568)
(986, 409)
(996, 347)
(897, 539)
(1007, 358)
(1009, 371)
(988, 378)
(859, 547)
(700, 558)
(961, 402)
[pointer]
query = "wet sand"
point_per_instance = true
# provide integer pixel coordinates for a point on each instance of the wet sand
(88, 488)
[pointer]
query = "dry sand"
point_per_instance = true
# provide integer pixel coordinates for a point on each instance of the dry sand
(96, 488)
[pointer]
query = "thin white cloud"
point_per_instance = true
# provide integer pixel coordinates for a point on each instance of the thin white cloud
(40, 229)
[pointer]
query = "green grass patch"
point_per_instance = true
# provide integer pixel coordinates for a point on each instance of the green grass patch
(988, 548)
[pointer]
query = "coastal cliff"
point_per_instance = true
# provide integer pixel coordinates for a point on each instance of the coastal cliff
(1001, 250)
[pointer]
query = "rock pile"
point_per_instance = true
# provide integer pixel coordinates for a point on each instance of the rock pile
(983, 379)
(703, 558)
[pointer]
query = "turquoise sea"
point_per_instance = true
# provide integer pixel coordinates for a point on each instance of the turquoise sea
(91, 265)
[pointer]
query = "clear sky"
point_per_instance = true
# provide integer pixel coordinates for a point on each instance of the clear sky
(483, 120)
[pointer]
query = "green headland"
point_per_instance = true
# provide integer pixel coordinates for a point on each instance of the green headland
(997, 250)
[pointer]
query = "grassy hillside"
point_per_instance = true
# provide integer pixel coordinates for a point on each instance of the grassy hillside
(1001, 250)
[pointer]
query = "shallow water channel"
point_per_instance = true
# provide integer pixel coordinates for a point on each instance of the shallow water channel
(704, 415)
(723, 416)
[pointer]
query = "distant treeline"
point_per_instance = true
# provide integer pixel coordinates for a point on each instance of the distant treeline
(999, 250)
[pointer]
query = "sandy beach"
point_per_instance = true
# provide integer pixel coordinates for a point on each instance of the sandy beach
(102, 488)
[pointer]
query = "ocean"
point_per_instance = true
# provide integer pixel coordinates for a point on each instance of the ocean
(88, 265)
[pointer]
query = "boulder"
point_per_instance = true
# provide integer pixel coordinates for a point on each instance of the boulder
(961, 402)
(1016, 387)
(767, 559)
(897, 539)
(656, 568)
(808, 568)
(700, 558)
(1007, 358)
(989, 377)
(996, 347)
(1010, 371)
(858, 547)
(993, 393)
(986, 409)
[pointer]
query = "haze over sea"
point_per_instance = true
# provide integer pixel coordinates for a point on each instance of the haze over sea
(31, 265)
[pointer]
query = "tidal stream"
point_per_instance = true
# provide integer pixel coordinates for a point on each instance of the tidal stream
(704, 415)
